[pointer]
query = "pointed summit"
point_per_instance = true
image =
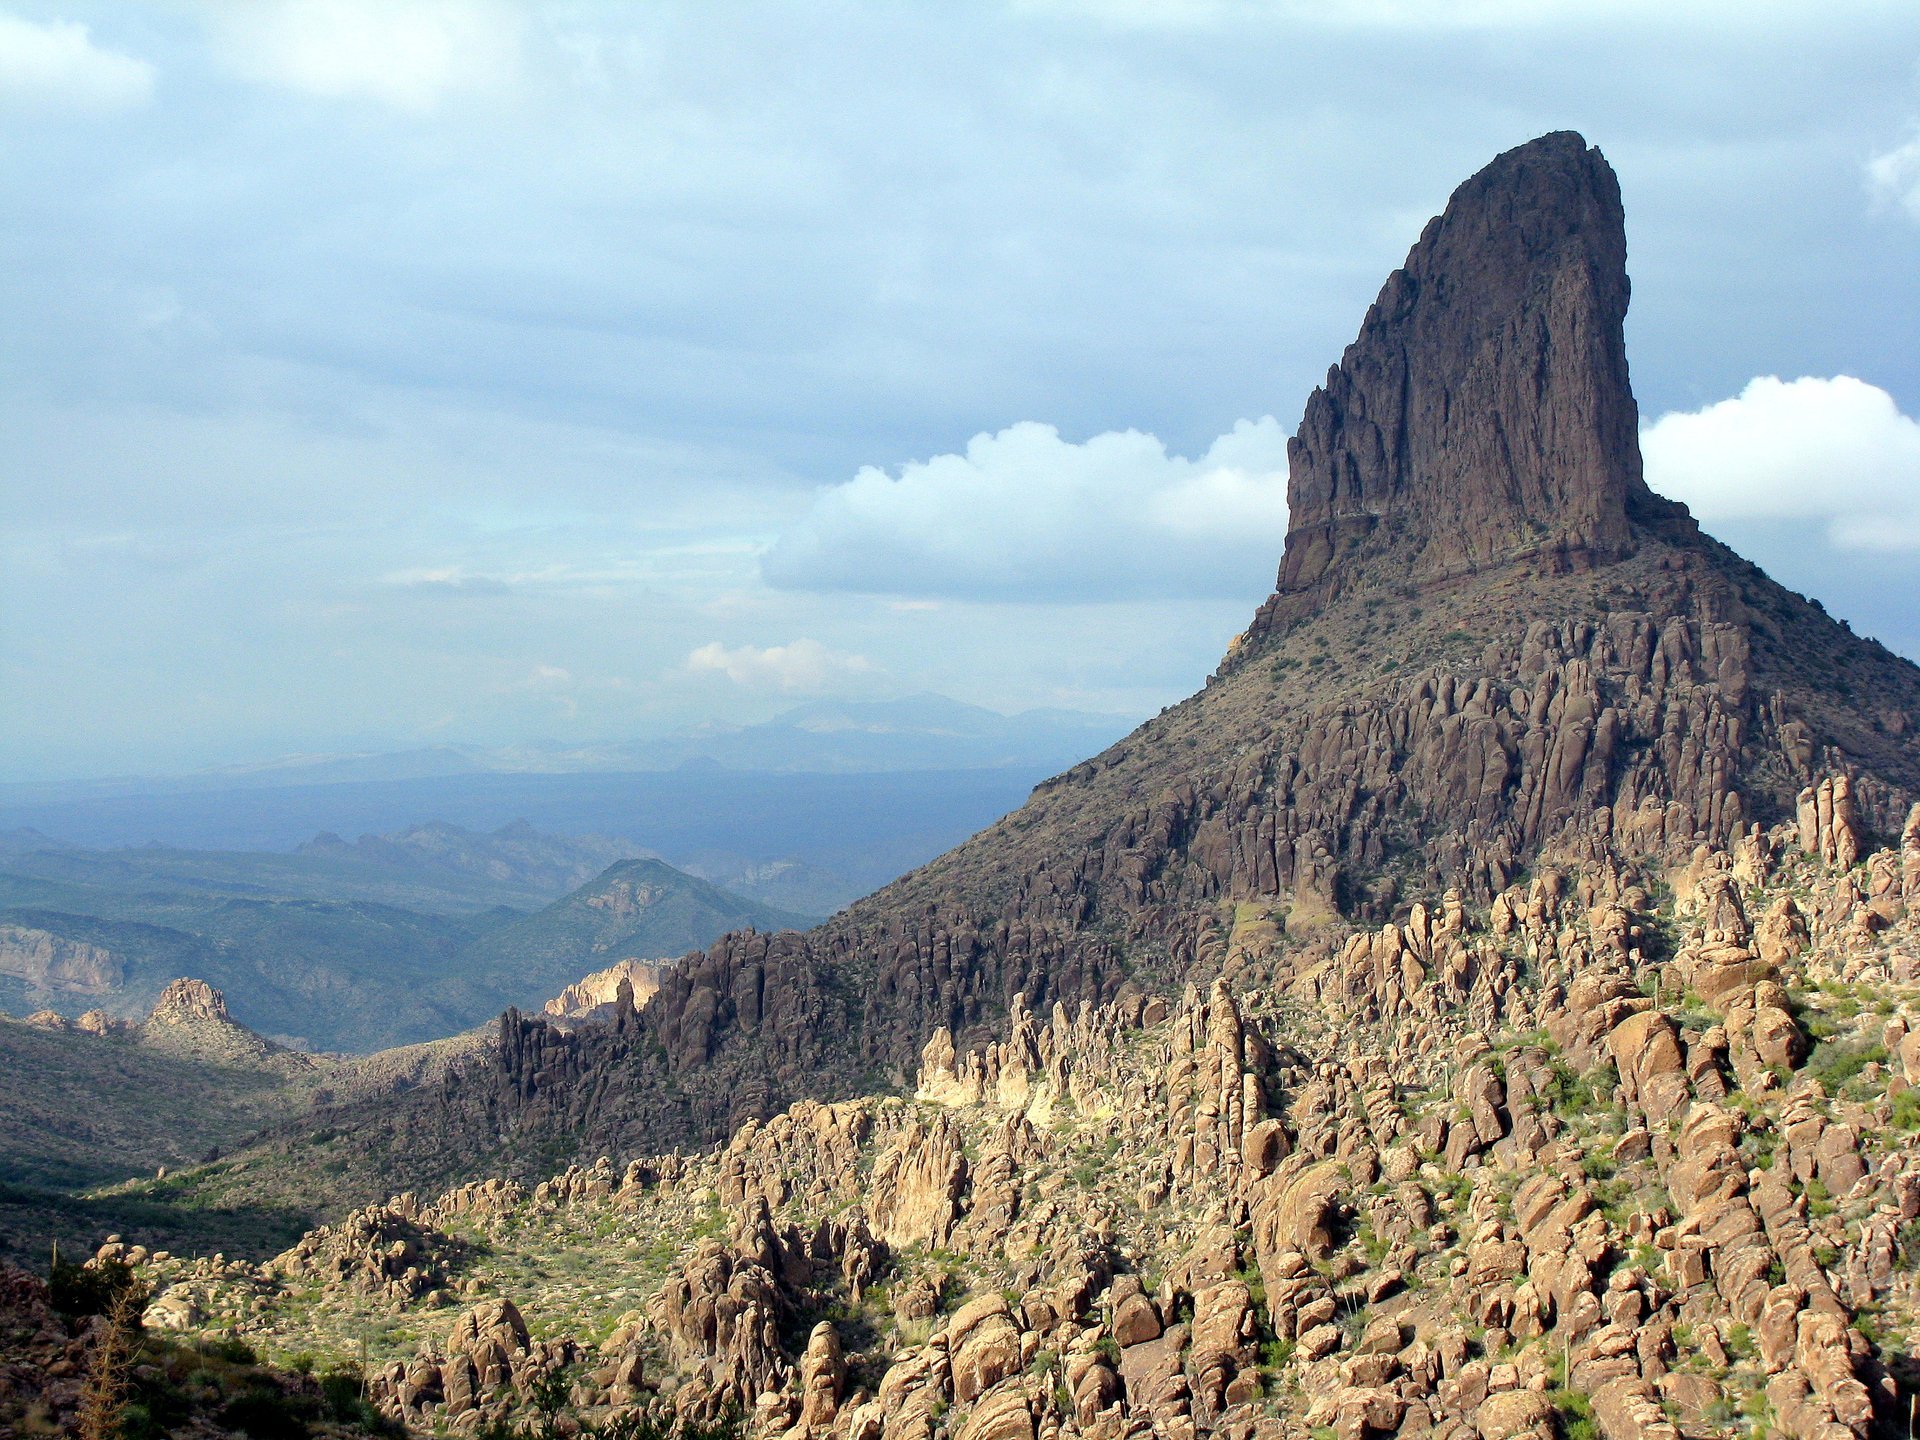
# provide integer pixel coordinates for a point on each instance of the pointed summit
(1484, 413)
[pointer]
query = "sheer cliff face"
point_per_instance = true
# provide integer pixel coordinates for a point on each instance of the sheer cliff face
(1490, 643)
(1484, 410)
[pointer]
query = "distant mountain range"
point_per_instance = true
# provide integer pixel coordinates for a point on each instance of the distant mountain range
(805, 812)
(919, 732)
(435, 868)
(385, 941)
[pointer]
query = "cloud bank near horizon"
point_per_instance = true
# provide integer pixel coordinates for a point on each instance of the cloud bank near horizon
(1834, 452)
(1024, 515)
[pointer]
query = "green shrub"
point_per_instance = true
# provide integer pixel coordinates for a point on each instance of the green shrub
(1835, 1062)
(343, 1392)
(266, 1414)
(233, 1350)
(76, 1290)
(1576, 1415)
(1906, 1110)
(137, 1422)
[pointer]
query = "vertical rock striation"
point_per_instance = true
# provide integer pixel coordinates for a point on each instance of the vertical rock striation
(1484, 412)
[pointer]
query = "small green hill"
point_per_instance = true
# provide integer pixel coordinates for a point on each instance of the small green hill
(82, 1110)
(636, 910)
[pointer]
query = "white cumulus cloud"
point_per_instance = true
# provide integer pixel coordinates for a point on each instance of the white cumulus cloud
(56, 67)
(1834, 452)
(1026, 515)
(408, 54)
(1894, 177)
(803, 666)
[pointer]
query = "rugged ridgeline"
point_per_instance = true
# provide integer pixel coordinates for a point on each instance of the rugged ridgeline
(1490, 643)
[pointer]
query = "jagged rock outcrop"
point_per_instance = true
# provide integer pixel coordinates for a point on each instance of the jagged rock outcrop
(589, 993)
(190, 1002)
(191, 1018)
(1486, 1171)
(386, 1251)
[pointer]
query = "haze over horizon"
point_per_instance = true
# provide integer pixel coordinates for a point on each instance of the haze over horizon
(385, 374)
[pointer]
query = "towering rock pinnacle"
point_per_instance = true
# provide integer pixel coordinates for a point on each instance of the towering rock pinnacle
(1492, 651)
(1484, 413)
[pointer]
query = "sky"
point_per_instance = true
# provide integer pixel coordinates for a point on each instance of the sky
(379, 373)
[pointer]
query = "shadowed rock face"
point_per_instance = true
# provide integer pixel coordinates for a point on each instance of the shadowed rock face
(1484, 411)
(1490, 643)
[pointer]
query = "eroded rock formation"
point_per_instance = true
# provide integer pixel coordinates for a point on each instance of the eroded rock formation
(1501, 694)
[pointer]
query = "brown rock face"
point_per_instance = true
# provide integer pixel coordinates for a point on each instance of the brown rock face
(57, 964)
(1484, 410)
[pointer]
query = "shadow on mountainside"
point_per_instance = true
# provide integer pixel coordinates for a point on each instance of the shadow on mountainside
(33, 1220)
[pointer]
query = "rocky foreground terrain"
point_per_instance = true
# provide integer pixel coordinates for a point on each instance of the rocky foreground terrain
(1491, 1008)
(1625, 1152)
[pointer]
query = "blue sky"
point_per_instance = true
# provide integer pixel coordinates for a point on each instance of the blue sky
(380, 372)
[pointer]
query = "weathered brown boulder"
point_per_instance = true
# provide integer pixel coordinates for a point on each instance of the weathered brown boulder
(1628, 1409)
(1777, 1038)
(1515, 1415)
(1830, 823)
(1646, 1048)
(1222, 1342)
(1135, 1321)
(823, 1378)
(1002, 1414)
(1781, 934)
(983, 1345)
(1298, 1214)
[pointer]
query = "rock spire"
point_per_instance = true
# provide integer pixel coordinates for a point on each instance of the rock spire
(1483, 414)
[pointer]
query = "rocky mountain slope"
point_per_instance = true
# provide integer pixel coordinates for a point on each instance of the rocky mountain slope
(109, 1099)
(1490, 643)
(1622, 1153)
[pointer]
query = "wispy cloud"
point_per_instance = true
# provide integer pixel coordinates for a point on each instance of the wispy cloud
(1894, 177)
(449, 582)
(55, 67)
(802, 666)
